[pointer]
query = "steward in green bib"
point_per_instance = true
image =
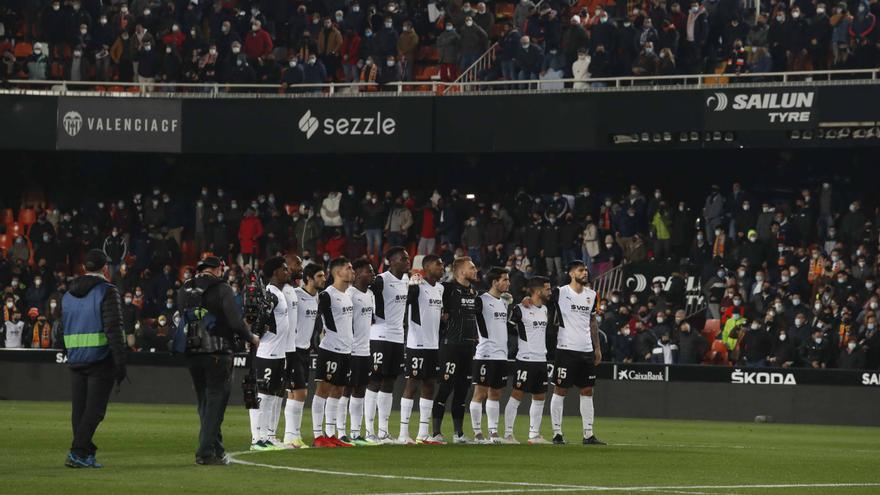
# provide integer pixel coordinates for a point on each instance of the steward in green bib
(91, 314)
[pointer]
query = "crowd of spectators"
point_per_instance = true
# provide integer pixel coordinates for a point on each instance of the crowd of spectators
(286, 43)
(792, 282)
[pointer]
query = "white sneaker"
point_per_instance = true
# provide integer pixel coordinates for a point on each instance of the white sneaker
(495, 438)
(510, 440)
(539, 440)
(461, 439)
(405, 441)
(373, 439)
(479, 439)
(385, 440)
(437, 439)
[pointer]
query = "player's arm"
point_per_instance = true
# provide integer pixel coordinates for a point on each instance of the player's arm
(481, 322)
(515, 324)
(377, 287)
(594, 334)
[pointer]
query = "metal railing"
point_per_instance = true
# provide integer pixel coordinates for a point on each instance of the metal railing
(472, 73)
(608, 282)
(416, 88)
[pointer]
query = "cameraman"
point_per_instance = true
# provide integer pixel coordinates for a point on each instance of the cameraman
(210, 320)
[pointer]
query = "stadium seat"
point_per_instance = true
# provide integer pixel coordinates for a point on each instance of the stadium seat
(504, 10)
(718, 354)
(427, 72)
(5, 242)
(712, 329)
(8, 216)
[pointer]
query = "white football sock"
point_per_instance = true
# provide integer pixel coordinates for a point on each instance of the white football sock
(342, 415)
(293, 415)
(255, 424)
(266, 407)
(493, 411)
(510, 415)
(587, 414)
(406, 406)
(556, 413)
(425, 407)
(477, 417)
(330, 414)
(273, 418)
(318, 404)
(536, 412)
(385, 401)
(356, 410)
(370, 400)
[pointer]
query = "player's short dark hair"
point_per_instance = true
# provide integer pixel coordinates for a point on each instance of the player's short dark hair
(574, 264)
(430, 258)
(494, 274)
(337, 263)
(95, 260)
(311, 270)
(537, 283)
(360, 263)
(394, 251)
(272, 264)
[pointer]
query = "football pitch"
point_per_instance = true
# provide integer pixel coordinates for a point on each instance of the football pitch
(149, 449)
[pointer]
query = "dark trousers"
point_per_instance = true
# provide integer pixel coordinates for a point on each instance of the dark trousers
(212, 379)
(90, 387)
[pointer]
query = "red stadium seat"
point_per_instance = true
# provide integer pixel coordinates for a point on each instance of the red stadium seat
(712, 329)
(504, 10)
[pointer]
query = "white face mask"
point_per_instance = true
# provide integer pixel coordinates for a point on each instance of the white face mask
(782, 337)
(236, 49)
(851, 346)
(818, 340)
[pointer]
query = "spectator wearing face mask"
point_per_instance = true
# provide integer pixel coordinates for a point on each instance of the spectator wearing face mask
(37, 64)
(389, 74)
(386, 38)
(755, 346)
(474, 42)
(816, 352)
(449, 49)
(665, 351)
(472, 240)
(623, 344)
(314, 72)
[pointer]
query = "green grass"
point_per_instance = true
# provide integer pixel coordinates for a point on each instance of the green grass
(149, 449)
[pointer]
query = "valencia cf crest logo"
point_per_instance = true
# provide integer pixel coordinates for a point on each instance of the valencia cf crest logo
(375, 367)
(446, 376)
(415, 372)
(559, 381)
(518, 384)
(329, 377)
(482, 379)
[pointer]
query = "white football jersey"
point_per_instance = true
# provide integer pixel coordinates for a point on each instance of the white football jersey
(575, 312)
(335, 310)
(425, 303)
(292, 315)
(273, 345)
(306, 311)
(362, 319)
(492, 327)
(531, 327)
(390, 293)
(13, 334)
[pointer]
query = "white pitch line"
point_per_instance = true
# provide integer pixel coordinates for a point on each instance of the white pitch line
(235, 460)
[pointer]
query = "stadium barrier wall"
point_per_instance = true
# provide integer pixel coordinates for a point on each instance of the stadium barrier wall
(798, 115)
(842, 397)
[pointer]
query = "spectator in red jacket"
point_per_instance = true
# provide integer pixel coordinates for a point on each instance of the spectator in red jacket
(174, 38)
(351, 47)
(336, 244)
(257, 44)
(249, 234)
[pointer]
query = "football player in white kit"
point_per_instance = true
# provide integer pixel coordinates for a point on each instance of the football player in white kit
(529, 323)
(577, 349)
(421, 367)
(352, 401)
(269, 361)
(490, 359)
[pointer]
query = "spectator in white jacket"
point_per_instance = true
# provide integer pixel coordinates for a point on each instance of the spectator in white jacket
(330, 211)
(580, 69)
